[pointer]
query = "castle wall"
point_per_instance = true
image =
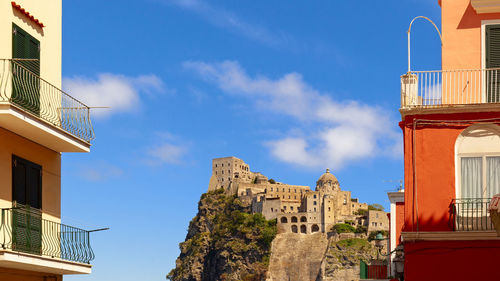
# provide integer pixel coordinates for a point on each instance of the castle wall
(377, 220)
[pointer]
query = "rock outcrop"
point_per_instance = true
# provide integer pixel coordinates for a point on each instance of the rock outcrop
(297, 257)
(224, 242)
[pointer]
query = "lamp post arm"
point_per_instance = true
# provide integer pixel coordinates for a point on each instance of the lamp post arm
(409, 31)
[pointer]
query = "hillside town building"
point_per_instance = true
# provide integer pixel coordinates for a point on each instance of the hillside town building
(450, 120)
(298, 209)
(38, 123)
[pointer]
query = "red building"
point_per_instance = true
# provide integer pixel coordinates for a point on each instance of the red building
(451, 129)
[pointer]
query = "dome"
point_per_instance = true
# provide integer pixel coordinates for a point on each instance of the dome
(327, 176)
(327, 182)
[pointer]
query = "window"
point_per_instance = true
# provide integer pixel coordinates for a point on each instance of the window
(376, 215)
(478, 162)
(314, 202)
(492, 60)
(222, 164)
(314, 196)
(215, 165)
(26, 182)
(328, 209)
(271, 189)
(26, 90)
(27, 191)
(284, 208)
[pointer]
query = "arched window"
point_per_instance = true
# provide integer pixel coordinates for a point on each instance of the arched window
(303, 229)
(284, 220)
(478, 162)
(294, 219)
(294, 229)
(303, 219)
(314, 228)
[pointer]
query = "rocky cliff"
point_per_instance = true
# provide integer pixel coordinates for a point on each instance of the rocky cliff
(224, 242)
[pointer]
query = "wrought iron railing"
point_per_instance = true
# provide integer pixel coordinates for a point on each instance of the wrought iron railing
(470, 214)
(450, 87)
(20, 85)
(24, 230)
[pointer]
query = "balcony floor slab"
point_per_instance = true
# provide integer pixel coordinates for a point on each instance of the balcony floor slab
(24, 261)
(29, 126)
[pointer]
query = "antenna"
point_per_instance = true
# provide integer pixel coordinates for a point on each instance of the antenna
(398, 181)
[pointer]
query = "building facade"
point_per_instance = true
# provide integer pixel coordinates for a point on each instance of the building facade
(38, 122)
(297, 208)
(450, 122)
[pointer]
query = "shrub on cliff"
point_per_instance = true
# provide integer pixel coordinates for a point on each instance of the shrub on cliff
(224, 242)
(343, 228)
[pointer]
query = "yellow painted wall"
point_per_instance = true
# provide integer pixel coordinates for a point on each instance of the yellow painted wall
(49, 12)
(50, 161)
(23, 275)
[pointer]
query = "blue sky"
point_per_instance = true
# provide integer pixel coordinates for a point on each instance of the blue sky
(290, 87)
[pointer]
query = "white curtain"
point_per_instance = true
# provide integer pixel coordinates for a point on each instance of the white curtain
(492, 176)
(472, 177)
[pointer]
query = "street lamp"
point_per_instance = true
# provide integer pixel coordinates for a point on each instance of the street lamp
(409, 30)
(378, 243)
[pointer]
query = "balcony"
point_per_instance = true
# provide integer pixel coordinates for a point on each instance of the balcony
(450, 89)
(30, 242)
(471, 214)
(35, 109)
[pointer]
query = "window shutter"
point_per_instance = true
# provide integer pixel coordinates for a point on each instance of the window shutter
(492, 45)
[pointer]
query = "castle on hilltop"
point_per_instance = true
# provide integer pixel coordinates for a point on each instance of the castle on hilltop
(297, 208)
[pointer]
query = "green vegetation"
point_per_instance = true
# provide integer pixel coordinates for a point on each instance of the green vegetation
(357, 243)
(343, 228)
(272, 181)
(361, 212)
(376, 207)
(225, 233)
(361, 229)
(349, 222)
(372, 234)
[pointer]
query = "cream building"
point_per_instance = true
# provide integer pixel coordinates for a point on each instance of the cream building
(38, 122)
(297, 208)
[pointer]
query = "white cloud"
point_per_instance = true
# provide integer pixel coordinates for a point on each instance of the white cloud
(229, 20)
(100, 172)
(338, 132)
(119, 92)
(167, 153)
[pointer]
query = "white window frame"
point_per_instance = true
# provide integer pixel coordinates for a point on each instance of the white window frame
(484, 23)
(484, 169)
(458, 155)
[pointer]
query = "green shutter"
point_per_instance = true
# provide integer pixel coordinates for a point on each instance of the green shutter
(492, 45)
(26, 85)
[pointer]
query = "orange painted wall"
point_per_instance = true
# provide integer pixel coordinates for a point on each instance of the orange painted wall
(461, 30)
(23, 275)
(50, 161)
(435, 169)
(400, 215)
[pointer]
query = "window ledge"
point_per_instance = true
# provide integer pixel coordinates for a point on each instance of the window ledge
(486, 6)
(449, 236)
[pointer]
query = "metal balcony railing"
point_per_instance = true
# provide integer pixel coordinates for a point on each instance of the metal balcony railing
(471, 214)
(450, 87)
(24, 230)
(21, 86)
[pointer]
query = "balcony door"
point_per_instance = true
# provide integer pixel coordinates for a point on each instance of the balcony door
(27, 204)
(25, 70)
